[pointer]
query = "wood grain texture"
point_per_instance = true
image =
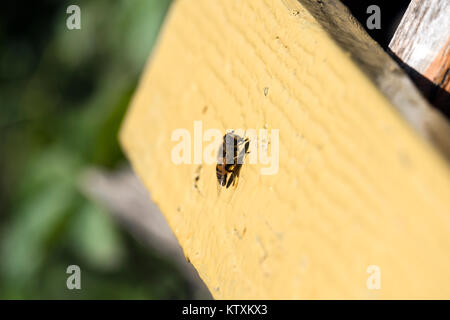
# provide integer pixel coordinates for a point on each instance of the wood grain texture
(356, 185)
(422, 39)
(386, 74)
(439, 70)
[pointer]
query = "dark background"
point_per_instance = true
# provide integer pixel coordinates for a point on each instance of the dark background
(391, 14)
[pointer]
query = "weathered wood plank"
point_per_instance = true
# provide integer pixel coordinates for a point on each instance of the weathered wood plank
(422, 42)
(423, 33)
(356, 185)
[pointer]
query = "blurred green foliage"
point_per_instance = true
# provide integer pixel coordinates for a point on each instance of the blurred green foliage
(63, 94)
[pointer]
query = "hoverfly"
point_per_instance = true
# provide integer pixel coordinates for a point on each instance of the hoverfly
(230, 159)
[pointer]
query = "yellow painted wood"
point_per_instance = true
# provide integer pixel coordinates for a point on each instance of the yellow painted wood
(356, 185)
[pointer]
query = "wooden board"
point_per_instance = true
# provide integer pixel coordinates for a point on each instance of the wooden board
(356, 185)
(423, 37)
(422, 43)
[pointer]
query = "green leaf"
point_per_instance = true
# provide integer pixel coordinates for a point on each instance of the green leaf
(95, 238)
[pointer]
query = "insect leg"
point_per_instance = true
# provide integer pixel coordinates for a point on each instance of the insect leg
(232, 176)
